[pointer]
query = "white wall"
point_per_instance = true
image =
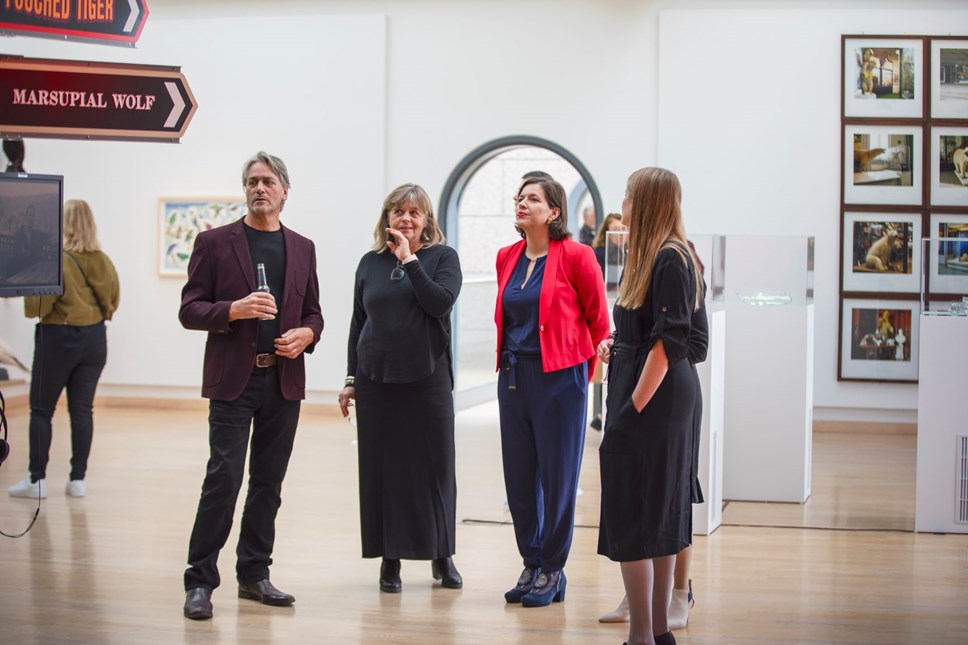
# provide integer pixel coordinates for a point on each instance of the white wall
(310, 90)
(749, 114)
(361, 95)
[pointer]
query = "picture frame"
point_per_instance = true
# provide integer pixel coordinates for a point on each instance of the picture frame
(879, 340)
(949, 164)
(883, 77)
(947, 272)
(881, 252)
(949, 83)
(181, 219)
(882, 164)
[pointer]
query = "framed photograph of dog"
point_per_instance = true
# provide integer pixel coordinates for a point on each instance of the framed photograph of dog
(947, 262)
(879, 340)
(883, 77)
(883, 164)
(949, 78)
(881, 252)
(949, 165)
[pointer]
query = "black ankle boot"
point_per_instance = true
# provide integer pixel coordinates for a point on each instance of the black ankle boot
(390, 576)
(443, 569)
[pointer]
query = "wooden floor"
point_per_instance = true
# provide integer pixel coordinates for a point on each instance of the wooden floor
(108, 568)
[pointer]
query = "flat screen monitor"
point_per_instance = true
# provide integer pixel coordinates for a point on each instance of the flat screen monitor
(31, 234)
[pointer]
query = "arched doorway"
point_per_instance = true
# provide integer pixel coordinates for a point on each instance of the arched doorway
(476, 212)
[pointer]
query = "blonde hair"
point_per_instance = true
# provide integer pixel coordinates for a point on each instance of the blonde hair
(655, 223)
(408, 194)
(80, 231)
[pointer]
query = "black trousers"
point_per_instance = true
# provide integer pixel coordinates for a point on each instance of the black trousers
(65, 357)
(273, 421)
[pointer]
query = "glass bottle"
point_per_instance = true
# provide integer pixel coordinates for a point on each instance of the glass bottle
(262, 283)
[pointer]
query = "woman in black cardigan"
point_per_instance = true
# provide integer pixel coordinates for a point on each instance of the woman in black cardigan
(400, 374)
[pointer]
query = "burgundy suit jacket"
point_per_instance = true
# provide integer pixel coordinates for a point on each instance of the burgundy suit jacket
(220, 272)
(572, 310)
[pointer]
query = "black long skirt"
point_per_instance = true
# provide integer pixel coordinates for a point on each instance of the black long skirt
(408, 486)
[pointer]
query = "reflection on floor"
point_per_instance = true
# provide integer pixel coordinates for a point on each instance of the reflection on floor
(107, 569)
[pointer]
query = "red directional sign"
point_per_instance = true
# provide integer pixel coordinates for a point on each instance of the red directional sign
(78, 100)
(113, 22)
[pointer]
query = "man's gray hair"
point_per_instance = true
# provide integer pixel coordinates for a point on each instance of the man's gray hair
(277, 165)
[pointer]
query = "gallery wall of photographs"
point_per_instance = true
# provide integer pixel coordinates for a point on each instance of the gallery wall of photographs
(904, 177)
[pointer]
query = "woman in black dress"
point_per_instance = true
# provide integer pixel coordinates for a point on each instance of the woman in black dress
(647, 452)
(400, 375)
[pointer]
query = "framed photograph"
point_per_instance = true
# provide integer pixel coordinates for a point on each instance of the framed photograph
(879, 340)
(882, 164)
(181, 219)
(948, 259)
(881, 252)
(883, 77)
(949, 79)
(949, 166)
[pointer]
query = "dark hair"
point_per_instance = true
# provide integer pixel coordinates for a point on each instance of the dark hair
(555, 196)
(535, 174)
(14, 150)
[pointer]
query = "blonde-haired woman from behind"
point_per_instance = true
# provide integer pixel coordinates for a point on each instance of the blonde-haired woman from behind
(70, 350)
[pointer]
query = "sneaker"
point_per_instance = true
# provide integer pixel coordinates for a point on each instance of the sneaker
(26, 488)
(76, 488)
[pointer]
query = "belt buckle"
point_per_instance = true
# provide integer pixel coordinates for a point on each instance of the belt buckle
(264, 360)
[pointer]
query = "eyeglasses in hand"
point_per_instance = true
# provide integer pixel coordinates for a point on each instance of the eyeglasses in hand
(397, 273)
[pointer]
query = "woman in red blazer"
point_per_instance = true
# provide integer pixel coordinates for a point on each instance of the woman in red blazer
(551, 314)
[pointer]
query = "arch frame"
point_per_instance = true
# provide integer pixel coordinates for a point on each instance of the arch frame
(448, 212)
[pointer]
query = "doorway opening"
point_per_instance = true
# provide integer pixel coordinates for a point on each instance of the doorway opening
(477, 214)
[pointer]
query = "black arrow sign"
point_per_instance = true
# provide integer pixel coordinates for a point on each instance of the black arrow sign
(79, 100)
(113, 22)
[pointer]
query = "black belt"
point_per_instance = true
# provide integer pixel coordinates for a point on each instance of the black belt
(265, 360)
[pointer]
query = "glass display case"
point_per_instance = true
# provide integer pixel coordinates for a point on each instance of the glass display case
(768, 271)
(944, 276)
(711, 251)
(768, 423)
(612, 260)
(941, 501)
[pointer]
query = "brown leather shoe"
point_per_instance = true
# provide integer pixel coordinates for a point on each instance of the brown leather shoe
(198, 603)
(264, 592)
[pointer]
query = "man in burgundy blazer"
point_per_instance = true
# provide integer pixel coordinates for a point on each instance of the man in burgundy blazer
(254, 376)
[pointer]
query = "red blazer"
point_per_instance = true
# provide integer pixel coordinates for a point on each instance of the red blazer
(572, 310)
(220, 272)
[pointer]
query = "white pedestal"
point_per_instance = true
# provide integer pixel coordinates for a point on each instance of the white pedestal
(707, 517)
(767, 450)
(942, 471)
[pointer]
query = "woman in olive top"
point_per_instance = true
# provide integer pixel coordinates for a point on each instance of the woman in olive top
(70, 350)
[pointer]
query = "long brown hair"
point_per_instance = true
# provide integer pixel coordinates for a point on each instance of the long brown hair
(599, 240)
(655, 223)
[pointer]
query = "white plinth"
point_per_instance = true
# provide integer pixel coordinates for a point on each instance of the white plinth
(707, 517)
(941, 425)
(767, 451)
